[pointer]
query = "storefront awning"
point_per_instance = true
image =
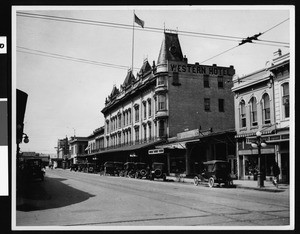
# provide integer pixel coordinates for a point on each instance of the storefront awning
(176, 145)
(124, 148)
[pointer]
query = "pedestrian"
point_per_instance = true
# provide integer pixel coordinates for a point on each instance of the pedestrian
(276, 172)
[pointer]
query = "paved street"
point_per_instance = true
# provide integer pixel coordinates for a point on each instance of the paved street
(78, 199)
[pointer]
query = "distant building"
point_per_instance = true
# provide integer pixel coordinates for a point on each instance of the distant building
(262, 104)
(77, 148)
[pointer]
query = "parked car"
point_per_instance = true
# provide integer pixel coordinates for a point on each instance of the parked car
(158, 170)
(112, 168)
(74, 167)
(129, 169)
(141, 170)
(33, 169)
(215, 171)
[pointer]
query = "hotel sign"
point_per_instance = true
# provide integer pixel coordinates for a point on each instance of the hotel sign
(201, 69)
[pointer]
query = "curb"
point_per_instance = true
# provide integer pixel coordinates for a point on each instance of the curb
(238, 186)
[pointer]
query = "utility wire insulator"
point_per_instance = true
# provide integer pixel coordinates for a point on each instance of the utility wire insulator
(250, 39)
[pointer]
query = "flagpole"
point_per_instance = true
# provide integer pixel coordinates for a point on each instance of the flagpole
(132, 42)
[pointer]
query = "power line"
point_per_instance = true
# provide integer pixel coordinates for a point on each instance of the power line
(276, 25)
(126, 26)
(220, 54)
(59, 56)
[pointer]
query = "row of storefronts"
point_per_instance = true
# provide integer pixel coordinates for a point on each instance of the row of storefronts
(184, 114)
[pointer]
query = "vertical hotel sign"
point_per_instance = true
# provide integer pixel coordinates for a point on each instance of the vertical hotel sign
(3, 119)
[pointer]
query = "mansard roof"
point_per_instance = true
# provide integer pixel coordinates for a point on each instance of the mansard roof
(170, 49)
(129, 79)
(145, 67)
(115, 91)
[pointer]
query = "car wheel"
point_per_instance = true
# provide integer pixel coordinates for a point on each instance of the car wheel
(196, 180)
(211, 182)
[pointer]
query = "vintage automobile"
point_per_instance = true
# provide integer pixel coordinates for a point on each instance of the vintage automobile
(141, 170)
(215, 171)
(74, 167)
(129, 169)
(158, 170)
(112, 168)
(34, 169)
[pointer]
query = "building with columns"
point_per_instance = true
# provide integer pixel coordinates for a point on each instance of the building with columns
(262, 104)
(172, 96)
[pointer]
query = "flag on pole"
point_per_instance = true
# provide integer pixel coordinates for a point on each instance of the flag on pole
(139, 21)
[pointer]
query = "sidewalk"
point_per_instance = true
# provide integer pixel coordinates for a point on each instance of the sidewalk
(242, 184)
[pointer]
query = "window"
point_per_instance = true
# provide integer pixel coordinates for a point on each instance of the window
(161, 80)
(136, 134)
(175, 79)
(149, 127)
(266, 109)
(221, 105)
(119, 120)
(253, 111)
(206, 104)
(286, 100)
(161, 102)
(145, 132)
(137, 114)
(161, 128)
(206, 81)
(145, 110)
(242, 114)
(220, 82)
(149, 108)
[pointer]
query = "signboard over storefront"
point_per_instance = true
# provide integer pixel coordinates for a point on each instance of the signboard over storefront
(200, 69)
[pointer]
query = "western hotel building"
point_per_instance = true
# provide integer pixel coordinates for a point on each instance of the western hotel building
(166, 108)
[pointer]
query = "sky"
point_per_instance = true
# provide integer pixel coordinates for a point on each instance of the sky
(67, 59)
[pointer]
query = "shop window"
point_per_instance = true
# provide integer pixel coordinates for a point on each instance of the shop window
(207, 104)
(266, 109)
(253, 111)
(286, 100)
(242, 114)
(221, 105)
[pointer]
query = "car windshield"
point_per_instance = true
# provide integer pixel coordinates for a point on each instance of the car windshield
(108, 164)
(141, 166)
(221, 166)
(157, 165)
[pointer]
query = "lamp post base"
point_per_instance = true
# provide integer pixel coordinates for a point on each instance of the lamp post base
(260, 180)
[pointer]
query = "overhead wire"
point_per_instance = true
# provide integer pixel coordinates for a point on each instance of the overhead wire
(153, 29)
(59, 56)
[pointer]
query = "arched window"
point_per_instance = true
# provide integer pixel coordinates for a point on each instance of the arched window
(253, 111)
(286, 100)
(266, 109)
(242, 114)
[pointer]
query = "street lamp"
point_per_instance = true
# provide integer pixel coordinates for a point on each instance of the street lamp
(258, 144)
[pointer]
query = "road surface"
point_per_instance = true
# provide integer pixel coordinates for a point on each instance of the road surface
(75, 199)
